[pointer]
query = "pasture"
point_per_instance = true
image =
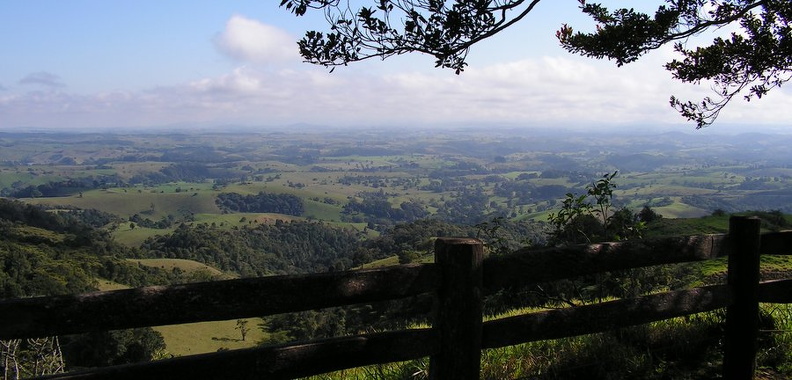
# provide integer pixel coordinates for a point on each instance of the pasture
(198, 338)
(178, 176)
(205, 337)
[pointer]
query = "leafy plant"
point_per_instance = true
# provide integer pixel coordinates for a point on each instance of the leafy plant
(498, 236)
(589, 217)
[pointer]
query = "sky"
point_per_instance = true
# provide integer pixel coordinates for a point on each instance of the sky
(179, 64)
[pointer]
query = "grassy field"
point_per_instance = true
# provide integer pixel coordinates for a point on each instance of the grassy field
(105, 285)
(186, 266)
(204, 337)
(236, 219)
(680, 210)
(325, 192)
(126, 202)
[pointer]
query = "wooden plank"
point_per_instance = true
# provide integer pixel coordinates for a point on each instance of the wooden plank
(277, 362)
(588, 319)
(209, 301)
(777, 243)
(529, 266)
(776, 291)
(459, 309)
(742, 317)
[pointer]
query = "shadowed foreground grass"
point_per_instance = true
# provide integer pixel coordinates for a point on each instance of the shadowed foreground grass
(679, 348)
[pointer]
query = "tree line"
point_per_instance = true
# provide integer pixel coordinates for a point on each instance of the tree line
(287, 204)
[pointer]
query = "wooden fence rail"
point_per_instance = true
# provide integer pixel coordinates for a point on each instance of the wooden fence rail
(458, 279)
(209, 301)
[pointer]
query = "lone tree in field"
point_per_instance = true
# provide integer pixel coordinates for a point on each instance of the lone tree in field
(242, 326)
(753, 60)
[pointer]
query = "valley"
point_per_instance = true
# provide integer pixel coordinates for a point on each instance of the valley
(361, 178)
(203, 206)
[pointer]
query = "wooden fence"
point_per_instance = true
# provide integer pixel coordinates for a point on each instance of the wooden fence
(458, 279)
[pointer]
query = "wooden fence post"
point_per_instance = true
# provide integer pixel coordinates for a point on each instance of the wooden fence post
(742, 317)
(458, 309)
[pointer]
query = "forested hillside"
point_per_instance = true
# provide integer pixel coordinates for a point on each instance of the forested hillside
(260, 250)
(46, 253)
(49, 253)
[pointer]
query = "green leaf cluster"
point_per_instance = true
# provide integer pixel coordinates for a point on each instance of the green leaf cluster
(590, 218)
(751, 61)
(443, 29)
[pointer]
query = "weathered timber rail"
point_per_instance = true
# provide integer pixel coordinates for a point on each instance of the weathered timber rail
(458, 280)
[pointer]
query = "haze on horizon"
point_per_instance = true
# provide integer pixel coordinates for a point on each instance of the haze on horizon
(89, 64)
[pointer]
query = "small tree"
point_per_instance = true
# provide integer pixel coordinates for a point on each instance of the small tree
(242, 326)
(647, 215)
(602, 192)
(569, 224)
(589, 217)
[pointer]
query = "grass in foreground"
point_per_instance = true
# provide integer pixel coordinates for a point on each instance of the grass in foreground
(679, 348)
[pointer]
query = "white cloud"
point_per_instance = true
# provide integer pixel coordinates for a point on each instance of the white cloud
(251, 41)
(536, 92)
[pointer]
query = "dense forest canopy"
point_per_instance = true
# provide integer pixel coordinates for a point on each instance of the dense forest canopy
(260, 250)
(48, 253)
(288, 204)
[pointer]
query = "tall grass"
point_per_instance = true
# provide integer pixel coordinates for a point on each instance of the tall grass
(673, 348)
(775, 338)
(679, 348)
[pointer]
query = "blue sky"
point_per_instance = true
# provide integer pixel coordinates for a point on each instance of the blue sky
(84, 64)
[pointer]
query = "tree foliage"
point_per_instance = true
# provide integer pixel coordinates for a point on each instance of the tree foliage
(590, 217)
(307, 325)
(443, 29)
(106, 348)
(751, 61)
(377, 209)
(44, 253)
(288, 204)
(62, 188)
(280, 248)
